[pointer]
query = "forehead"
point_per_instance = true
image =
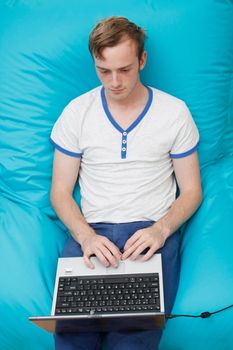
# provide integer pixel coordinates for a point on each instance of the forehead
(124, 53)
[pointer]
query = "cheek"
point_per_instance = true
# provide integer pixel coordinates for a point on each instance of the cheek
(133, 77)
(102, 78)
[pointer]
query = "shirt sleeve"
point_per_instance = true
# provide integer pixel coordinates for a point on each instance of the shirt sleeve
(64, 136)
(187, 135)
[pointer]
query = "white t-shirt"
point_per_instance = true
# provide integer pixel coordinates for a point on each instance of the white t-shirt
(126, 175)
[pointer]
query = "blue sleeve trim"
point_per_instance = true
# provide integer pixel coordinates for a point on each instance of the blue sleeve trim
(185, 154)
(72, 154)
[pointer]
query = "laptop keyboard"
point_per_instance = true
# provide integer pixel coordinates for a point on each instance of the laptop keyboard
(108, 294)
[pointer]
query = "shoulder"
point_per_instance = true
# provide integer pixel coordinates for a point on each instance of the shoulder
(171, 109)
(82, 102)
(73, 115)
(168, 101)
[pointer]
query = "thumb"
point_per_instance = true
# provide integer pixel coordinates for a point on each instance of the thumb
(88, 262)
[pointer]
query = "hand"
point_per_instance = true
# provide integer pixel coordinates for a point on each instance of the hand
(107, 252)
(150, 237)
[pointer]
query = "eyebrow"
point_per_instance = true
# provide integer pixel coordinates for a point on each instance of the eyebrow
(125, 67)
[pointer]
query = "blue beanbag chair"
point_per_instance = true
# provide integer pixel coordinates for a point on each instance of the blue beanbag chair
(44, 64)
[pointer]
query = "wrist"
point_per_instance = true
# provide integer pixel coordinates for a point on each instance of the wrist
(162, 229)
(82, 235)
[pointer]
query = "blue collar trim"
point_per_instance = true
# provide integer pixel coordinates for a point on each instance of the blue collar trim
(139, 118)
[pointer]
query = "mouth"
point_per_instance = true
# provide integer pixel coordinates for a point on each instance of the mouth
(117, 91)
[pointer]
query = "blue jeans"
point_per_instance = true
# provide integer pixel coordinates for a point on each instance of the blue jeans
(125, 340)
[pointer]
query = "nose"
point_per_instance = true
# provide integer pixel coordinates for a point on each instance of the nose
(116, 81)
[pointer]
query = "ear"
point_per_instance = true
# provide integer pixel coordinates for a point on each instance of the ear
(142, 61)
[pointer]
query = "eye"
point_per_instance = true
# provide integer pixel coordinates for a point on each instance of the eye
(125, 70)
(104, 71)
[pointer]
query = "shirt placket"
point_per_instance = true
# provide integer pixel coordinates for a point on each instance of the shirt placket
(124, 145)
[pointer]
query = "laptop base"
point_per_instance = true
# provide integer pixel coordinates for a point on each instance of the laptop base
(74, 324)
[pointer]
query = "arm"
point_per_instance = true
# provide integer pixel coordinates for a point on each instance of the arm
(65, 174)
(188, 178)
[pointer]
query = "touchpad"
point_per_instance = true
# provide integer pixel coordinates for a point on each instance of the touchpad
(119, 269)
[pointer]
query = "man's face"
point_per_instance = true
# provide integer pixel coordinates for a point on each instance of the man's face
(119, 69)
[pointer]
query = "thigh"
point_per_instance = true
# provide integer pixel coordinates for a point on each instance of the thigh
(71, 249)
(76, 341)
(149, 340)
(138, 340)
(81, 341)
(171, 269)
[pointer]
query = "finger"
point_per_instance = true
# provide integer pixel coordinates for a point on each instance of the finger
(149, 254)
(88, 262)
(114, 250)
(138, 251)
(101, 257)
(131, 249)
(112, 260)
(128, 252)
(132, 240)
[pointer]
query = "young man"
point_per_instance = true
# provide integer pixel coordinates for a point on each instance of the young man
(128, 144)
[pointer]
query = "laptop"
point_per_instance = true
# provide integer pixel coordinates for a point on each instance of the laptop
(129, 297)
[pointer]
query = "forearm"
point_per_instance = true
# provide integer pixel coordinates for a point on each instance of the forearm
(181, 210)
(70, 214)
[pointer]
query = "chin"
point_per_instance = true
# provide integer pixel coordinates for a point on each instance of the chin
(120, 96)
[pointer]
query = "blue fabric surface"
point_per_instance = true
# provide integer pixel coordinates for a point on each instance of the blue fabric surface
(30, 243)
(44, 64)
